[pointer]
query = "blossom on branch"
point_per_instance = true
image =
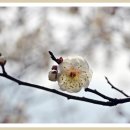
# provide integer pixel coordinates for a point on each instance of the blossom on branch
(74, 74)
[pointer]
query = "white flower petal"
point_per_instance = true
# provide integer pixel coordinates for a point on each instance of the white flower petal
(74, 74)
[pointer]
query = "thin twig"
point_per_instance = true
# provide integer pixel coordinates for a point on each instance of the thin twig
(53, 57)
(116, 88)
(99, 94)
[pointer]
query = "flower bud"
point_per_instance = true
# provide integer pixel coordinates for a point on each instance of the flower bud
(54, 67)
(52, 75)
(2, 60)
(60, 60)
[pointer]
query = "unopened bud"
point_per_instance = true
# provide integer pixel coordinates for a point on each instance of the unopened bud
(60, 60)
(2, 60)
(52, 75)
(54, 67)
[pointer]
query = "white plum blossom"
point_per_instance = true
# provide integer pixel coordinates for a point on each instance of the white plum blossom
(74, 74)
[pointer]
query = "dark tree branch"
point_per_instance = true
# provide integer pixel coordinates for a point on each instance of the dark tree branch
(54, 91)
(110, 101)
(116, 88)
(53, 57)
(68, 96)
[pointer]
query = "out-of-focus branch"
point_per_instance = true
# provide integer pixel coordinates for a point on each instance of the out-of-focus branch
(110, 101)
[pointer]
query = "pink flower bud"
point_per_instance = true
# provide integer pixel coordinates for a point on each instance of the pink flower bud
(54, 67)
(60, 60)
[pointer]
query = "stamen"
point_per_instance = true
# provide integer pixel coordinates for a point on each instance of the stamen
(72, 74)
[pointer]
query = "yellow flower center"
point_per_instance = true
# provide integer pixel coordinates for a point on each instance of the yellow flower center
(73, 72)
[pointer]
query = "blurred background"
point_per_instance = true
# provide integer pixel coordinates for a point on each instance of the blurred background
(101, 35)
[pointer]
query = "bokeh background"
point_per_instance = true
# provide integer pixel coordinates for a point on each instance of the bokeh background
(100, 34)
